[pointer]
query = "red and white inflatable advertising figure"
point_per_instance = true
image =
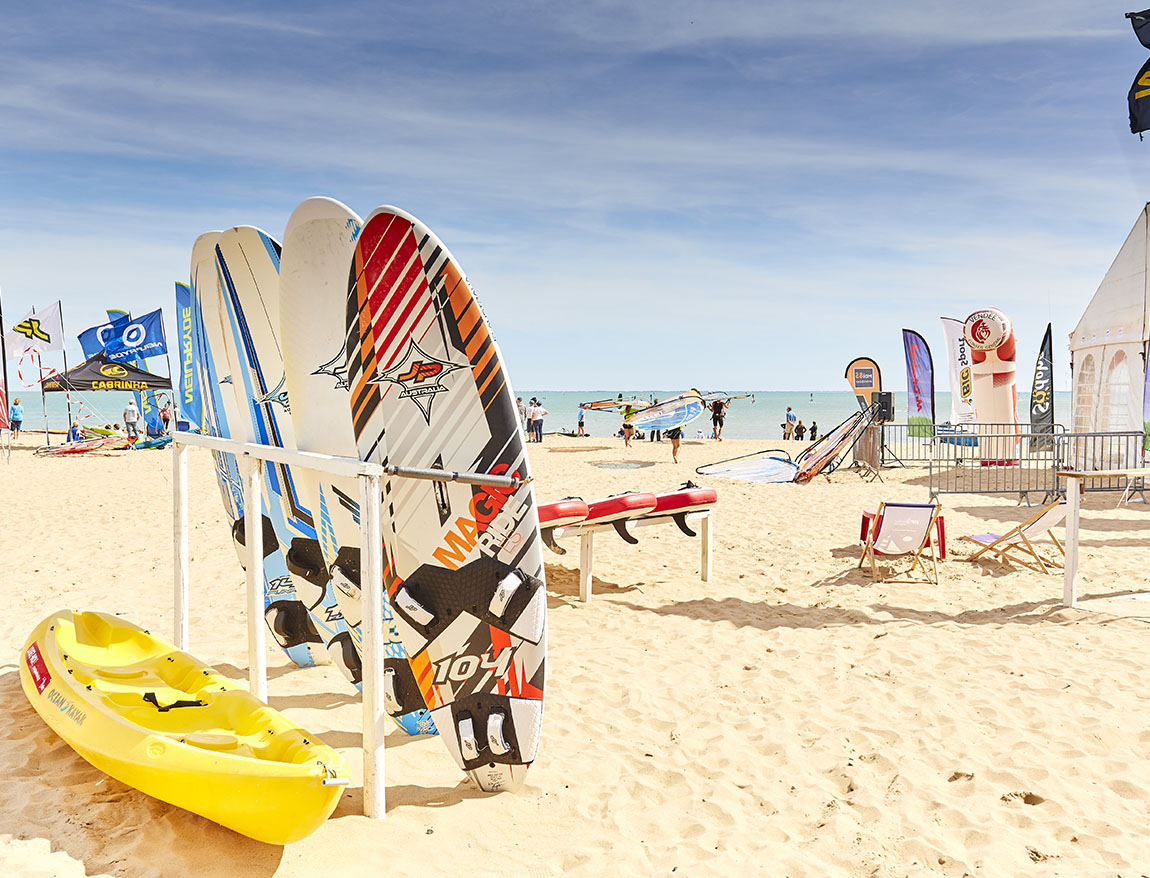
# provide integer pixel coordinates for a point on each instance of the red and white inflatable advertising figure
(991, 339)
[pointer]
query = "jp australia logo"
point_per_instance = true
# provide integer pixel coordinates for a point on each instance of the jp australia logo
(31, 329)
(67, 707)
(278, 396)
(420, 375)
(113, 370)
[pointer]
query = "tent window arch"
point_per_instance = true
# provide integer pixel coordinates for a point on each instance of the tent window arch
(1084, 395)
(1116, 395)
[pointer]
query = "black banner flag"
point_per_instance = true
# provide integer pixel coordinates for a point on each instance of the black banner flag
(1042, 392)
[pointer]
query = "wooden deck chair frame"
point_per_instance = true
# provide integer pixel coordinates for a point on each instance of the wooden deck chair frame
(1016, 540)
(930, 575)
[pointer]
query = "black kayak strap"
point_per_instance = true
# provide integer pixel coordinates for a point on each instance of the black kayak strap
(150, 697)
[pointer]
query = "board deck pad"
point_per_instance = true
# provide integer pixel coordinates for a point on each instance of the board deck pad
(287, 618)
(319, 241)
(464, 565)
(248, 262)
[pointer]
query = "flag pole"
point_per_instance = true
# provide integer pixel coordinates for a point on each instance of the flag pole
(43, 395)
(64, 351)
(7, 386)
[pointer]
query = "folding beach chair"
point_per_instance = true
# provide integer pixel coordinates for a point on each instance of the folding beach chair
(903, 529)
(1018, 539)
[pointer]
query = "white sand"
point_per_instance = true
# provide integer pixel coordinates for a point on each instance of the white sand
(786, 718)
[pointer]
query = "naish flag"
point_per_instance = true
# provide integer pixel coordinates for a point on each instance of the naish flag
(1042, 391)
(39, 331)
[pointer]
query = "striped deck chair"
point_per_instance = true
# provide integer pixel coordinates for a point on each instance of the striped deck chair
(1016, 543)
(903, 529)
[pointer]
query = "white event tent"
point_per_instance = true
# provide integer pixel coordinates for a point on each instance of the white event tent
(1108, 346)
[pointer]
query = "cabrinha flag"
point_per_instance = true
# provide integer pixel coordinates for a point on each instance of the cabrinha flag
(961, 382)
(191, 407)
(1042, 392)
(39, 331)
(919, 384)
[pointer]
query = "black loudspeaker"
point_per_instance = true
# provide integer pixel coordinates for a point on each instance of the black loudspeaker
(884, 399)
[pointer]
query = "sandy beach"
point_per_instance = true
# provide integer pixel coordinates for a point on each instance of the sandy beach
(787, 718)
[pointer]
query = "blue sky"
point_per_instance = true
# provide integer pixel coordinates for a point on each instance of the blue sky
(662, 194)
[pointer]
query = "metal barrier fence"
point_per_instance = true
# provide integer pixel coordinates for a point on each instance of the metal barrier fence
(913, 443)
(996, 461)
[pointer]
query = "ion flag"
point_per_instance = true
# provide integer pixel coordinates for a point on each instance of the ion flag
(138, 338)
(919, 384)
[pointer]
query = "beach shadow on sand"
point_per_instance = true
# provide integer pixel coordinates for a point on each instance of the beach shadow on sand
(54, 794)
(563, 586)
(758, 614)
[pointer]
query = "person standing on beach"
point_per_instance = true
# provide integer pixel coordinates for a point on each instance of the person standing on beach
(522, 409)
(540, 413)
(15, 417)
(676, 437)
(628, 430)
(529, 420)
(789, 428)
(132, 420)
(814, 431)
(166, 415)
(718, 415)
(579, 431)
(800, 431)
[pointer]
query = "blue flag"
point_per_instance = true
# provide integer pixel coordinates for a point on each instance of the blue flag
(146, 401)
(191, 405)
(137, 338)
(93, 340)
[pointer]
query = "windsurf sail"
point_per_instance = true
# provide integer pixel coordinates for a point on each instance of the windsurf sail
(772, 465)
(678, 411)
(775, 465)
(619, 402)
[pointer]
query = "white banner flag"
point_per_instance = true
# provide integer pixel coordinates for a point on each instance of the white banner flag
(39, 331)
(961, 385)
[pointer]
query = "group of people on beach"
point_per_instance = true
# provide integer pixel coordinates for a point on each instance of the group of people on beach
(793, 427)
(531, 416)
(77, 433)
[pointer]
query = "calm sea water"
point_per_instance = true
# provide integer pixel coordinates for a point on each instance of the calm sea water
(760, 419)
(745, 419)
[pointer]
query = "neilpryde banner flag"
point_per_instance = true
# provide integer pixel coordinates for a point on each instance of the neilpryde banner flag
(191, 399)
(865, 380)
(919, 384)
(961, 380)
(1042, 391)
(137, 338)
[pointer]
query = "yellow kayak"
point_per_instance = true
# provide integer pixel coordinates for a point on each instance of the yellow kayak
(161, 721)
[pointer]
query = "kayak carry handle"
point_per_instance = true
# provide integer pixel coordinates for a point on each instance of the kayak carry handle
(442, 475)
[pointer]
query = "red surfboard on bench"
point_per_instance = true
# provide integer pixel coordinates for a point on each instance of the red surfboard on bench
(621, 508)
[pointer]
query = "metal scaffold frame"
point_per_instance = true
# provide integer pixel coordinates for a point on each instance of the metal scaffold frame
(370, 476)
